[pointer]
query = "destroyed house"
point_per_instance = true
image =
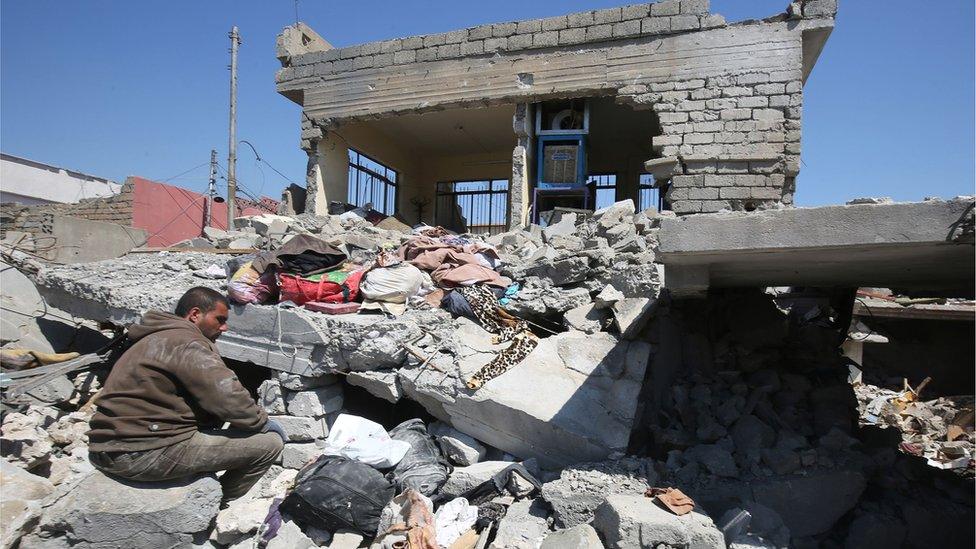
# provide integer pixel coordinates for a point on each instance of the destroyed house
(484, 128)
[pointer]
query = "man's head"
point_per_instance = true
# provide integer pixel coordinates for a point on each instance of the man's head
(205, 308)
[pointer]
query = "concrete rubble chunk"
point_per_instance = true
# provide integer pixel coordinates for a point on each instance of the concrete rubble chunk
(577, 537)
(22, 484)
(463, 479)
(716, 459)
(290, 536)
(344, 539)
(523, 526)
(24, 442)
(296, 455)
(240, 518)
(586, 318)
(592, 383)
(158, 514)
(458, 447)
(271, 397)
(294, 382)
(607, 297)
(627, 521)
(315, 402)
(812, 504)
(381, 384)
(20, 502)
(302, 429)
(581, 488)
(631, 315)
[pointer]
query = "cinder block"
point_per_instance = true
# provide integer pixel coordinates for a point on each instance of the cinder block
(555, 23)
(519, 42)
(412, 42)
(635, 11)
(599, 32)
(496, 44)
(404, 56)
(568, 37)
(475, 47)
(545, 39)
(684, 23)
(609, 15)
(480, 32)
(656, 25)
(526, 27)
(581, 19)
(670, 7)
(503, 30)
(697, 7)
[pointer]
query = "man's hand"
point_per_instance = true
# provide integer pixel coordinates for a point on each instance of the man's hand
(275, 427)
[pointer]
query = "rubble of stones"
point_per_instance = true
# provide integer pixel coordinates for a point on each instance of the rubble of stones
(765, 440)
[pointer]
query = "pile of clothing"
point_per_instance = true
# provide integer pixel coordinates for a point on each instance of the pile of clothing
(433, 268)
(387, 487)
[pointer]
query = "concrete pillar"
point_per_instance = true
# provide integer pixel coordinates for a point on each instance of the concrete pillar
(315, 201)
(519, 186)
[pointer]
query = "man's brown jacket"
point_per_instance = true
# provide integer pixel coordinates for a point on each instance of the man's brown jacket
(166, 386)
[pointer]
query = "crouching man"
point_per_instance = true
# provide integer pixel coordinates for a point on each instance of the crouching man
(162, 405)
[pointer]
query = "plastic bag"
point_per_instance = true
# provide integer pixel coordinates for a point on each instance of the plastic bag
(453, 519)
(363, 440)
(393, 284)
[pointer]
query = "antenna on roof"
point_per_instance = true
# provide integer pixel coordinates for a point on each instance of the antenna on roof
(296, 12)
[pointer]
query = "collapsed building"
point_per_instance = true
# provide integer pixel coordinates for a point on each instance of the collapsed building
(689, 332)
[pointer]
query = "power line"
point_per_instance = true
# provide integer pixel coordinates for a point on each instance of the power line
(258, 156)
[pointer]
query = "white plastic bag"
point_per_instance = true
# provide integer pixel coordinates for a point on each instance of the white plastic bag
(363, 440)
(453, 519)
(392, 284)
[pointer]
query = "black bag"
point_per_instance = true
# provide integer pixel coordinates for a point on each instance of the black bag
(336, 492)
(423, 468)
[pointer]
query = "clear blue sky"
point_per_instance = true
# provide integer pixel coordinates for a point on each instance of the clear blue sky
(117, 88)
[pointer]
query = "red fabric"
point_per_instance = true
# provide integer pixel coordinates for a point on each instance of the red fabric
(301, 290)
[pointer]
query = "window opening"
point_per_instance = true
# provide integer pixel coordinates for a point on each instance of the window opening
(473, 206)
(604, 188)
(650, 194)
(371, 182)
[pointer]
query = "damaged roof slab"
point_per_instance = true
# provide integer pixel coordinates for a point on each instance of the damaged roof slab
(916, 245)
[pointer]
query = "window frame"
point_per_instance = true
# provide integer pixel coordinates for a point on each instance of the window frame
(490, 193)
(381, 178)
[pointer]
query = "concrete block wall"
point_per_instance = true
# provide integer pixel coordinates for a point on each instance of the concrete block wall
(735, 140)
(660, 18)
(729, 98)
(38, 220)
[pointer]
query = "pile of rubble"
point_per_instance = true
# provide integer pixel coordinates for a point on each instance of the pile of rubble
(755, 421)
(940, 430)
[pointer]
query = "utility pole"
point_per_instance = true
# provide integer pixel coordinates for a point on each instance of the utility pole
(235, 40)
(211, 189)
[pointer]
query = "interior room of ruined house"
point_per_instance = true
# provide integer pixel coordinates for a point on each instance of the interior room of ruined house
(453, 167)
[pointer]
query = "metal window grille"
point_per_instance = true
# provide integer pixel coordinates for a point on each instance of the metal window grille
(604, 188)
(371, 183)
(473, 206)
(648, 194)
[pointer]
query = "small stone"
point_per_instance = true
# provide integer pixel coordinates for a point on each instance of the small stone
(607, 297)
(582, 536)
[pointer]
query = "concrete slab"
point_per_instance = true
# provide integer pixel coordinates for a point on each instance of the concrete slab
(908, 245)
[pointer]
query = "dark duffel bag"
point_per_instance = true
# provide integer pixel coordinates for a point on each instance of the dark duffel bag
(336, 492)
(423, 468)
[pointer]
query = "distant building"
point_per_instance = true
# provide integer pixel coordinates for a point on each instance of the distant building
(28, 182)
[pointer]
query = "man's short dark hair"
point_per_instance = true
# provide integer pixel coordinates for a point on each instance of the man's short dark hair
(200, 297)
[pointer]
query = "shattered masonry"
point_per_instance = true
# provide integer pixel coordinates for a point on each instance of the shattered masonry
(699, 352)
